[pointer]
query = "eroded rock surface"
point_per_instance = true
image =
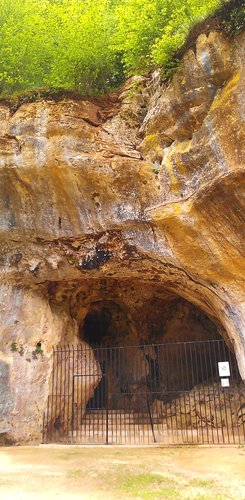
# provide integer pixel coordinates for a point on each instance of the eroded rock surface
(144, 190)
(205, 407)
(68, 365)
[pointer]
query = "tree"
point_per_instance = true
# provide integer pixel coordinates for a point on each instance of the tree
(89, 45)
(149, 33)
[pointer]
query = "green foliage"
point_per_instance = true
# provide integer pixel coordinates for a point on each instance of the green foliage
(38, 349)
(57, 44)
(149, 33)
(88, 46)
(234, 18)
(13, 347)
(148, 486)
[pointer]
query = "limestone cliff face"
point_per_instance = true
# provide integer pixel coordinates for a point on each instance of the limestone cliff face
(144, 190)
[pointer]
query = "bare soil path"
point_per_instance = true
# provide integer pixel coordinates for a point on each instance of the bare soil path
(67, 472)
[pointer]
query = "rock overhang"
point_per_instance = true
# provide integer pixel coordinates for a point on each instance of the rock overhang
(147, 190)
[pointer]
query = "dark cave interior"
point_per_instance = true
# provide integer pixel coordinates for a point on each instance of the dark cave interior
(157, 346)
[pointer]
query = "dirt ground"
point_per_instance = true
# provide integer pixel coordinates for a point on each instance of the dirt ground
(67, 472)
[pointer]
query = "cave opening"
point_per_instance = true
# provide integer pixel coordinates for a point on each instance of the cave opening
(96, 326)
(141, 315)
(106, 323)
(146, 320)
(145, 365)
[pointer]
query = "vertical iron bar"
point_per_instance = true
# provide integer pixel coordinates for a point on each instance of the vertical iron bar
(96, 410)
(198, 390)
(130, 394)
(90, 354)
(226, 354)
(56, 395)
(114, 395)
(179, 392)
(151, 420)
(60, 391)
(119, 394)
(69, 393)
(183, 375)
(64, 395)
(144, 401)
(136, 358)
(81, 359)
(208, 388)
(224, 390)
(213, 368)
(127, 396)
(107, 398)
(72, 417)
(218, 387)
(137, 409)
(201, 349)
(112, 409)
(241, 401)
(72, 408)
(52, 398)
(168, 395)
(172, 394)
(188, 388)
(163, 359)
(193, 383)
(223, 357)
(159, 419)
(76, 382)
(107, 411)
(235, 379)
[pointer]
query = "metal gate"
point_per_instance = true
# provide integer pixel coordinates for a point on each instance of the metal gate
(175, 393)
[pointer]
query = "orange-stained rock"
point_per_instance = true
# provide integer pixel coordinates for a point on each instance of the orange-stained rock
(136, 202)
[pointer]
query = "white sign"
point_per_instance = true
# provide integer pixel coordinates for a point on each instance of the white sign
(225, 382)
(224, 368)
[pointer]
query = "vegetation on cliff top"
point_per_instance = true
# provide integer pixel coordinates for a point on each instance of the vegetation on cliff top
(89, 46)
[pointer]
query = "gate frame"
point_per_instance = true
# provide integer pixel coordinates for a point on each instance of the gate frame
(74, 351)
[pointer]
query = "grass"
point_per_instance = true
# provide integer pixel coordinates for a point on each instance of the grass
(157, 486)
(137, 482)
(148, 486)
(201, 483)
(73, 474)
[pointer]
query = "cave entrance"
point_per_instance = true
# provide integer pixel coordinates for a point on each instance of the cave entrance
(145, 370)
(105, 325)
(151, 393)
(97, 326)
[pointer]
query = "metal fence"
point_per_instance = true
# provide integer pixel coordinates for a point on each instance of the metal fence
(163, 393)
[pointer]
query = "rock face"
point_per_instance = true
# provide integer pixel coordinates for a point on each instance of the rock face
(205, 406)
(68, 365)
(134, 200)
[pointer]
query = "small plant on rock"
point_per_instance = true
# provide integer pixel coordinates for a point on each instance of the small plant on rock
(13, 347)
(38, 348)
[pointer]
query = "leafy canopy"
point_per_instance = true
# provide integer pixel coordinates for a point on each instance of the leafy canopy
(90, 45)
